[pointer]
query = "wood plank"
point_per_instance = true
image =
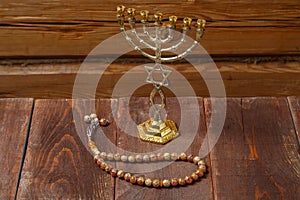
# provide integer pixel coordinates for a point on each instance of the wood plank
(256, 156)
(42, 28)
(294, 104)
(57, 164)
(15, 120)
(127, 140)
(56, 80)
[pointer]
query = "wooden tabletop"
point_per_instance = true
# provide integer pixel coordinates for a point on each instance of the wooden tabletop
(43, 155)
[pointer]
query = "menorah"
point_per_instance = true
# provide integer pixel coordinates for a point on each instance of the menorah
(155, 129)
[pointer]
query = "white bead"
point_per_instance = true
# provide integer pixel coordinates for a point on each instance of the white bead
(93, 116)
(87, 119)
(124, 158)
(131, 158)
(96, 120)
(146, 158)
(167, 156)
(196, 159)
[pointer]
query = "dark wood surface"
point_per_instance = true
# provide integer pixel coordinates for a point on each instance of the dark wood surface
(15, 121)
(73, 28)
(294, 103)
(255, 157)
(57, 80)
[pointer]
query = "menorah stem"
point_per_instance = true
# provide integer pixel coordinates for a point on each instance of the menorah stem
(174, 47)
(149, 37)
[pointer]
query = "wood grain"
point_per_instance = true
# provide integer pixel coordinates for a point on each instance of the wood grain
(73, 28)
(57, 165)
(15, 120)
(138, 109)
(294, 104)
(256, 156)
(57, 80)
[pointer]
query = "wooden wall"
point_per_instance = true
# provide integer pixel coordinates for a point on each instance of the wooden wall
(240, 35)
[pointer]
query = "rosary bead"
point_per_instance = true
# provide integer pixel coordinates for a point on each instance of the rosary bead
(174, 156)
(174, 181)
(194, 176)
(182, 156)
(131, 158)
(93, 116)
(167, 156)
(121, 174)
(190, 158)
(181, 181)
(155, 183)
(133, 179)
(103, 165)
(153, 157)
(196, 159)
(148, 182)
(127, 176)
(91, 143)
(96, 157)
(114, 172)
(188, 179)
(160, 156)
(166, 183)
(202, 168)
(103, 122)
(139, 158)
(199, 173)
(87, 119)
(140, 180)
(99, 161)
(103, 155)
(96, 120)
(146, 158)
(124, 158)
(108, 168)
(117, 156)
(110, 156)
(201, 162)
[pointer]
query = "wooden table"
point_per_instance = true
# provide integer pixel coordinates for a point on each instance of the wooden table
(256, 157)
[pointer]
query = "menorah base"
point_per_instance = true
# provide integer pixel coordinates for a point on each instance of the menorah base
(160, 133)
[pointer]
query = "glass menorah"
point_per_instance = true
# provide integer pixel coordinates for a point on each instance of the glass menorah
(155, 129)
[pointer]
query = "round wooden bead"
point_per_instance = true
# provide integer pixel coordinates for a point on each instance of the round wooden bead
(196, 159)
(160, 156)
(87, 119)
(174, 182)
(110, 156)
(182, 156)
(140, 180)
(166, 183)
(153, 157)
(131, 158)
(181, 181)
(93, 116)
(148, 182)
(174, 156)
(188, 179)
(194, 176)
(124, 158)
(202, 168)
(103, 155)
(104, 122)
(133, 179)
(139, 158)
(121, 174)
(155, 183)
(117, 156)
(201, 162)
(108, 168)
(199, 173)
(127, 176)
(146, 158)
(103, 165)
(167, 156)
(114, 172)
(190, 158)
